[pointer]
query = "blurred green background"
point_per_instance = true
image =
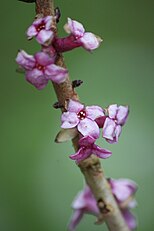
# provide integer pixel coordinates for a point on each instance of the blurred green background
(38, 180)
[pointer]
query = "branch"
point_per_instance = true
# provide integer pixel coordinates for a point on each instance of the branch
(91, 167)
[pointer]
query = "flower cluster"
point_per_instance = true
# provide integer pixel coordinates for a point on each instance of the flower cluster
(123, 191)
(88, 121)
(41, 67)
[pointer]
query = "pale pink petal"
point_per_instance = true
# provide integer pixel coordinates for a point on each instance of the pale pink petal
(87, 127)
(74, 28)
(85, 201)
(112, 111)
(101, 152)
(38, 21)
(43, 58)
(48, 22)
(122, 114)
(79, 202)
(31, 32)
(94, 112)
(108, 129)
(86, 140)
(45, 36)
(90, 41)
(56, 73)
(123, 188)
(117, 131)
(75, 106)
(116, 134)
(129, 219)
(75, 219)
(69, 120)
(132, 204)
(36, 78)
(26, 61)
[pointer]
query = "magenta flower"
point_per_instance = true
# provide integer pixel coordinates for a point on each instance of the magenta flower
(83, 118)
(87, 147)
(40, 68)
(86, 39)
(83, 203)
(86, 203)
(117, 116)
(124, 190)
(42, 30)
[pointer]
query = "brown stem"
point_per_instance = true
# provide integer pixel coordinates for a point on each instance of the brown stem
(91, 167)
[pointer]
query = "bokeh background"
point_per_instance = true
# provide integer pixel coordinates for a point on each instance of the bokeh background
(38, 180)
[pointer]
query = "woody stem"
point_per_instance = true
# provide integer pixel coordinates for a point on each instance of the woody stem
(91, 167)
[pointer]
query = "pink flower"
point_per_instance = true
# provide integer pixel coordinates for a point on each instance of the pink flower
(87, 39)
(83, 118)
(87, 147)
(86, 203)
(83, 203)
(40, 68)
(117, 116)
(42, 30)
(124, 190)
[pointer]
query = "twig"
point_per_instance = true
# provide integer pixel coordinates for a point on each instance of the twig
(91, 167)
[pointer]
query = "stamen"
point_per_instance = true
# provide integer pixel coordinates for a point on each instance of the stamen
(40, 27)
(81, 114)
(39, 67)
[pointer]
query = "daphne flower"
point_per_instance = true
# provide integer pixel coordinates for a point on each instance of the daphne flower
(86, 203)
(83, 118)
(83, 203)
(117, 116)
(88, 147)
(40, 68)
(42, 30)
(87, 39)
(124, 190)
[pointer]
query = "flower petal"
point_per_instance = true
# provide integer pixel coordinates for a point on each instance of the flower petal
(74, 106)
(26, 61)
(38, 21)
(45, 36)
(48, 22)
(122, 114)
(75, 28)
(69, 120)
(31, 31)
(123, 188)
(75, 219)
(100, 152)
(36, 78)
(129, 219)
(43, 58)
(86, 140)
(94, 112)
(108, 129)
(81, 154)
(56, 73)
(87, 127)
(112, 111)
(90, 41)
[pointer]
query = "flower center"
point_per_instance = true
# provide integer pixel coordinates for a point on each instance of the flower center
(81, 114)
(41, 26)
(39, 67)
